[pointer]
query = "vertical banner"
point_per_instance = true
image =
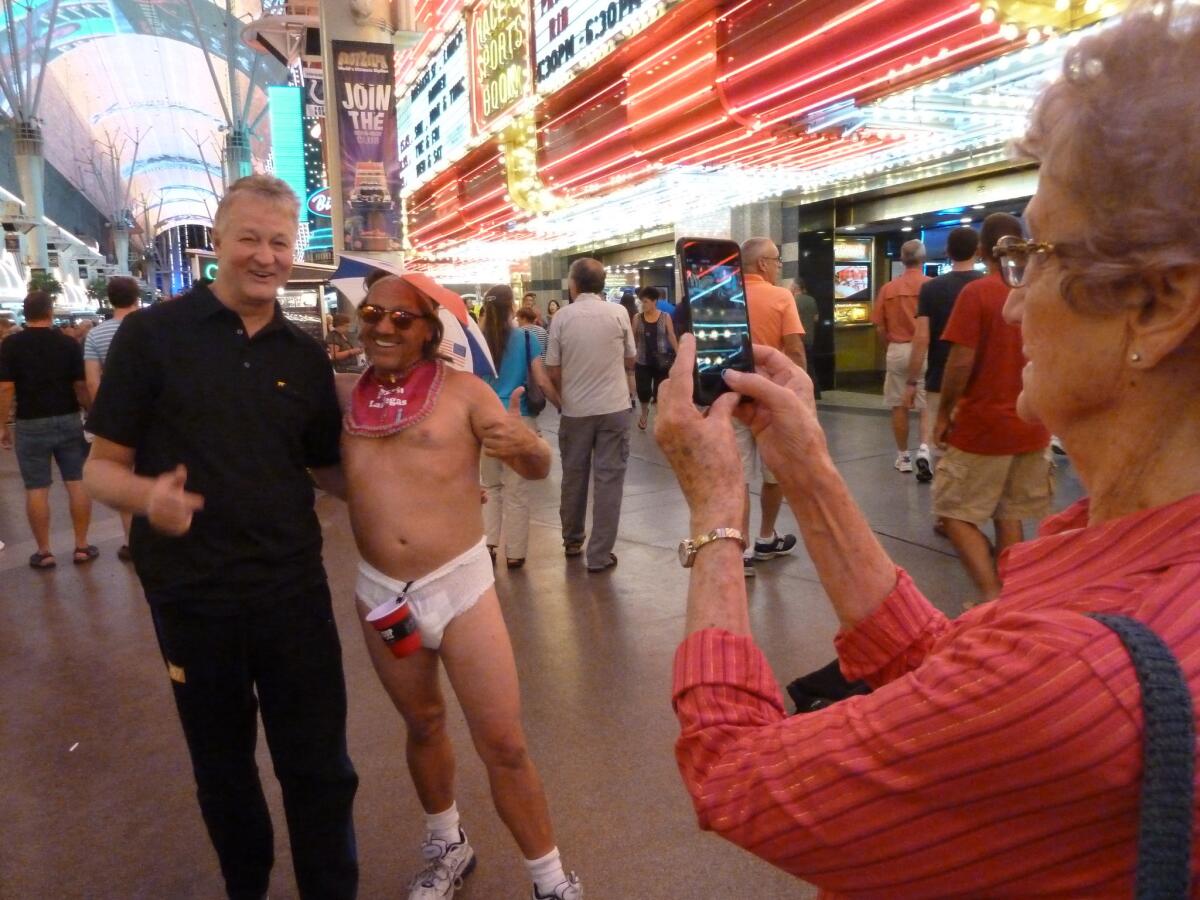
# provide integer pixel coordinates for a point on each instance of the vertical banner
(364, 82)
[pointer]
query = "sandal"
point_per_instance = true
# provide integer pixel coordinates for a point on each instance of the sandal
(642, 423)
(572, 548)
(492, 552)
(124, 554)
(85, 554)
(515, 563)
(42, 561)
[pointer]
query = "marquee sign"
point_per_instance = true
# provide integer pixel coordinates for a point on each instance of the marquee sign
(434, 119)
(566, 31)
(500, 59)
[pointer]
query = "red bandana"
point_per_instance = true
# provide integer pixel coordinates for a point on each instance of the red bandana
(383, 406)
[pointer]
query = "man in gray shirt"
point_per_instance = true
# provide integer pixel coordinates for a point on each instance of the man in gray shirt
(590, 359)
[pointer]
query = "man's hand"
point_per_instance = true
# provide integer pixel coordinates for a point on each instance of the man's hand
(700, 447)
(6, 438)
(783, 415)
(942, 426)
(169, 507)
(507, 436)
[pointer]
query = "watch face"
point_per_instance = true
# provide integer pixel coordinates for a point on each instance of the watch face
(686, 551)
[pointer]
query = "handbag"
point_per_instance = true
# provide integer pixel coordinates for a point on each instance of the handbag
(535, 397)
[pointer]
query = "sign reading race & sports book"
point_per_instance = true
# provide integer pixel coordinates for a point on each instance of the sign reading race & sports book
(363, 84)
(500, 58)
(567, 30)
(434, 119)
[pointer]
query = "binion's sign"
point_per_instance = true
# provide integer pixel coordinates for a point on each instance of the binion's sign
(320, 202)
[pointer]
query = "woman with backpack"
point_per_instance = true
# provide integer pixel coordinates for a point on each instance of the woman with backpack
(517, 354)
(654, 335)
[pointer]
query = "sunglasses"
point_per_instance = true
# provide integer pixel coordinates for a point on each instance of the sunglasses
(401, 319)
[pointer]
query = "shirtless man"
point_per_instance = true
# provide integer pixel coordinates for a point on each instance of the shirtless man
(412, 436)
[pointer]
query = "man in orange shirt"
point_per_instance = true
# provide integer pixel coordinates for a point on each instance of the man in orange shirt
(895, 318)
(774, 322)
(997, 466)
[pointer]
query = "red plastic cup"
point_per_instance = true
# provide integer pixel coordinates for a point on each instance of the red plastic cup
(395, 623)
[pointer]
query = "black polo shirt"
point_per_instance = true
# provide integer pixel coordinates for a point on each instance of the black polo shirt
(44, 365)
(183, 384)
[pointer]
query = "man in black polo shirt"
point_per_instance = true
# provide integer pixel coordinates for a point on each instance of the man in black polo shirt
(43, 369)
(934, 305)
(212, 409)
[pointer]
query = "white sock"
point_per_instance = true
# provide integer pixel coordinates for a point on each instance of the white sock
(443, 825)
(547, 872)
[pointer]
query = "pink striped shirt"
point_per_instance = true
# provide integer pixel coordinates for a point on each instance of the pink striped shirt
(1001, 751)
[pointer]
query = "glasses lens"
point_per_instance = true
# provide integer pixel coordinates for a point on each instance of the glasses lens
(402, 319)
(1014, 260)
(370, 314)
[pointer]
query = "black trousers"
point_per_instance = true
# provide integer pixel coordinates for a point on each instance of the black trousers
(281, 654)
(647, 379)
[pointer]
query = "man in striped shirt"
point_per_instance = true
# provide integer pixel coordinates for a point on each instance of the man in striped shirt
(123, 295)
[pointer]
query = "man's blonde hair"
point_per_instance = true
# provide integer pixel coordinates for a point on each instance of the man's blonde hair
(268, 187)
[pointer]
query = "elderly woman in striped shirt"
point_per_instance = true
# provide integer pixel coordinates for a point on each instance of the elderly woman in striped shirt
(1002, 753)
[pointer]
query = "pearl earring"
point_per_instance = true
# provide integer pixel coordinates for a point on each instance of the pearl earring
(1135, 357)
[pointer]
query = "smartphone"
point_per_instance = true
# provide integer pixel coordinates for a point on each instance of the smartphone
(714, 301)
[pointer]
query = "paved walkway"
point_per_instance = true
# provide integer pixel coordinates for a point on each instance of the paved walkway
(98, 800)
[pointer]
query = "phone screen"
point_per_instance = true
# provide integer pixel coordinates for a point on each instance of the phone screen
(714, 294)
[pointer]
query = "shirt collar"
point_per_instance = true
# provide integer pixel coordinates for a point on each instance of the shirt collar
(755, 278)
(209, 305)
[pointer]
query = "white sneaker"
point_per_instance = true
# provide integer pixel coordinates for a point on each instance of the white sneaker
(446, 865)
(904, 462)
(924, 464)
(570, 889)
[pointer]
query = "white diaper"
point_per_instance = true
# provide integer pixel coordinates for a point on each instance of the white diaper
(437, 598)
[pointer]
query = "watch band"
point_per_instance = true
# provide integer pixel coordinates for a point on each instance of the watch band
(689, 548)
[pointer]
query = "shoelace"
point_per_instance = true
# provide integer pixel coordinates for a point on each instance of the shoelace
(435, 872)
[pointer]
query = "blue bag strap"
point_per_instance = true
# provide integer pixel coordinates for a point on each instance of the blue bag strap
(1168, 763)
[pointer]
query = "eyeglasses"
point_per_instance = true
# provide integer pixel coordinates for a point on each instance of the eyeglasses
(772, 258)
(1015, 256)
(401, 319)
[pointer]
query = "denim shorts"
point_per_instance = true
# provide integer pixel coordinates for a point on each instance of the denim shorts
(36, 440)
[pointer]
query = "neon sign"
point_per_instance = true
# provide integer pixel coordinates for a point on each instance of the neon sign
(500, 52)
(320, 203)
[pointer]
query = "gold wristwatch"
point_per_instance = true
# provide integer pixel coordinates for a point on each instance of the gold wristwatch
(688, 548)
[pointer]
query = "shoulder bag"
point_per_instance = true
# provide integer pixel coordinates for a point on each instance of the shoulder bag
(535, 398)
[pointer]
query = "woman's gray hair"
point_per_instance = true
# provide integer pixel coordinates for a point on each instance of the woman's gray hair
(1120, 133)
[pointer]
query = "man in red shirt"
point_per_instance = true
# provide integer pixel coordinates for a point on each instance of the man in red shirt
(774, 322)
(895, 318)
(996, 465)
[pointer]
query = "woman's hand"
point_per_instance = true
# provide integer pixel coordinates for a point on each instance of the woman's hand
(700, 447)
(783, 415)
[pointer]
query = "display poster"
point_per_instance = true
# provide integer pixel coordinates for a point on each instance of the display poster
(363, 81)
(434, 118)
(500, 59)
(567, 30)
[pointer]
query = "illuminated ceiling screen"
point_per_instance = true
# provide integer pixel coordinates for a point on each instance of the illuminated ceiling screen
(434, 121)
